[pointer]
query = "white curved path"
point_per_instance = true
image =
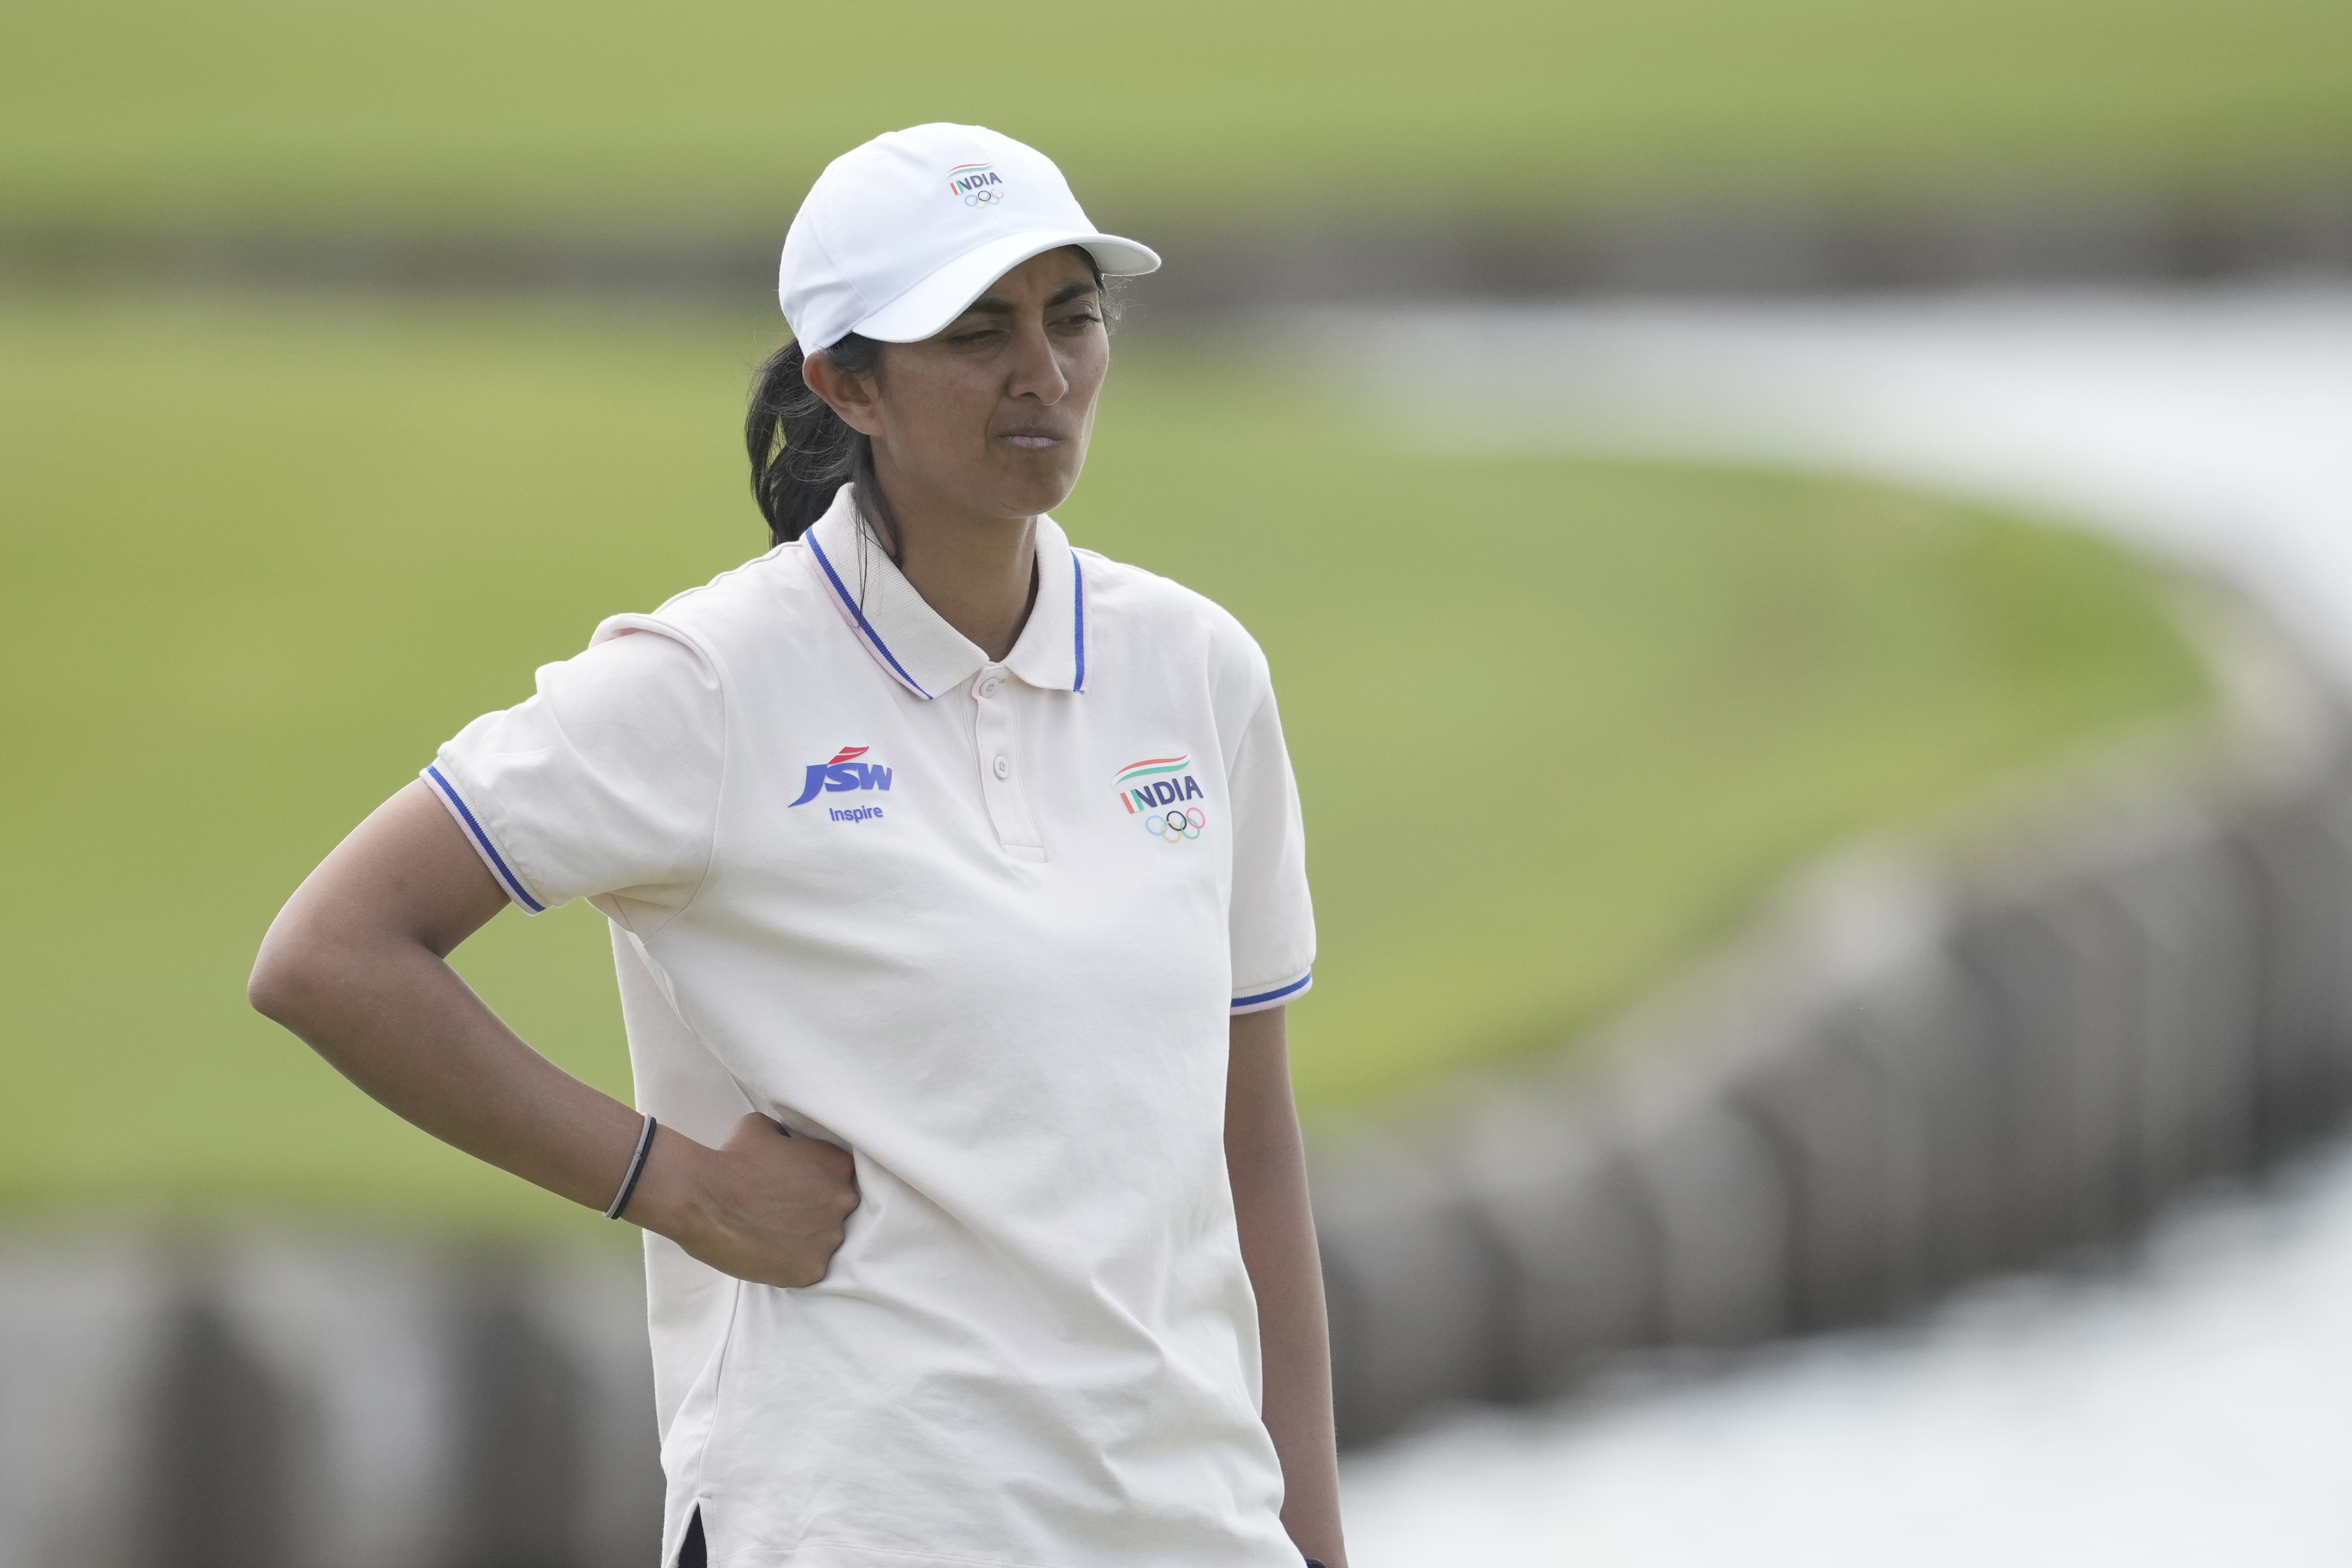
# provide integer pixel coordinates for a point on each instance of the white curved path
(2216, 424)
(2192, 1407)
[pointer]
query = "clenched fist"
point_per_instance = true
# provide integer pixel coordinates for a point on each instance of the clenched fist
(765, 1206)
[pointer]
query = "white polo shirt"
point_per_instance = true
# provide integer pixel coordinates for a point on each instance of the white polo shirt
(983, 925)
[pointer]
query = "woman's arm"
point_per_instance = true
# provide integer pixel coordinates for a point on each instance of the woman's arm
(1265, 1159)
(354, 965)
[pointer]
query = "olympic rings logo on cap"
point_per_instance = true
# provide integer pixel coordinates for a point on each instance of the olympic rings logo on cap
(1176, 824)
(977, 183)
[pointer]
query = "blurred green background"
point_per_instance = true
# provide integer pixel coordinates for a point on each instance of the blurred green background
(265, 549)
(497, 113)
(265, 557)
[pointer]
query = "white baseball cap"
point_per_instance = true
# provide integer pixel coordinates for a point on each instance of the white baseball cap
(897, 237)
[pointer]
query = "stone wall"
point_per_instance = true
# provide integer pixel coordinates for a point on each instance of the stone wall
(1931, 1064)
(266, 1399)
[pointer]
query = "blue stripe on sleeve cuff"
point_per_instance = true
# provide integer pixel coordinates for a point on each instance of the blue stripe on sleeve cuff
(481, 841)
(1279, 994)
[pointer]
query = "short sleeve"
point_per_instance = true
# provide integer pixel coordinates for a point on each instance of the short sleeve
(1273, 919)
(605, 781)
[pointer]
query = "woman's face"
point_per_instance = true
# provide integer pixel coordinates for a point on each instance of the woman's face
(991, 417)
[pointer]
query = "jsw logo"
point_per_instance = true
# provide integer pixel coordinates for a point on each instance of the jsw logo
(843, 774)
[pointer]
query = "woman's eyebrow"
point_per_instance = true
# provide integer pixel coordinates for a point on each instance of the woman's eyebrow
(990, 305)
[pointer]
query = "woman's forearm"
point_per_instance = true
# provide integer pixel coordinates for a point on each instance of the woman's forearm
(1265, 1161)
(355, 965)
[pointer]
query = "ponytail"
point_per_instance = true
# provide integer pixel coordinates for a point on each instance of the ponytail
(802, 452)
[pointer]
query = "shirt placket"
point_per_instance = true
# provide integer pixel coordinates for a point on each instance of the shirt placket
(997, 699)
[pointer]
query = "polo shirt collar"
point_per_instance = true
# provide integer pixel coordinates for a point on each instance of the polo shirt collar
(913, 643)
(1050, 653)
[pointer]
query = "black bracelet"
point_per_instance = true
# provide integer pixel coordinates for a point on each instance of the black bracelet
(636, 1169)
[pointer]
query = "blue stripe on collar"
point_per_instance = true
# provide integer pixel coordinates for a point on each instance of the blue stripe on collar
(1078, 620)
(857, 615)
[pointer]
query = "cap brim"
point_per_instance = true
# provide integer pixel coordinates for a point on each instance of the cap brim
(941, 297)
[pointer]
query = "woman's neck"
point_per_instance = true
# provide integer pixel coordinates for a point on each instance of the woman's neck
(979, 573)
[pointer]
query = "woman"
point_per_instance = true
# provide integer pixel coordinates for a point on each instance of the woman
(957, 887)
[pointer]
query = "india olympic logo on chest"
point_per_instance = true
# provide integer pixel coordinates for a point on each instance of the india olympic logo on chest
(977, 183)
(1156, 789)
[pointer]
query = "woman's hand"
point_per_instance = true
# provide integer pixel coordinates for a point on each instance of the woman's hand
(763, 1207)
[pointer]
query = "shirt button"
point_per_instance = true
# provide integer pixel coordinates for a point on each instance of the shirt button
(989, 685)
(1003, 767)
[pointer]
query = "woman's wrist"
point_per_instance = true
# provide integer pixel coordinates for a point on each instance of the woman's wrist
(763, 1207)
(671, 1197)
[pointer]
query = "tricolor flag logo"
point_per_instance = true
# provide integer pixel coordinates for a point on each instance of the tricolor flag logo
(975, 182)
(1156, 782)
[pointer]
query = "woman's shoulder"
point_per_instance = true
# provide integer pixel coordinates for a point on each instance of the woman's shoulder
(753, 606)
(1125, 596)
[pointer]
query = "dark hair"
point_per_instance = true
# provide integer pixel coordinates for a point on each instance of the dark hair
(802, 452)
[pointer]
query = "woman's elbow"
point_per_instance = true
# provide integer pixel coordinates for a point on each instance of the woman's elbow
(285, 978)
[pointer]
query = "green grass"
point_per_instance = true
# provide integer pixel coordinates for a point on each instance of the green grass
(1557, 722)
(505, 113)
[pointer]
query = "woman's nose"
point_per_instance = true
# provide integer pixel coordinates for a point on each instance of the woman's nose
(1036, 369)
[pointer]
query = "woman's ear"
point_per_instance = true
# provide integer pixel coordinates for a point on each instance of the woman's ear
(850, 396)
